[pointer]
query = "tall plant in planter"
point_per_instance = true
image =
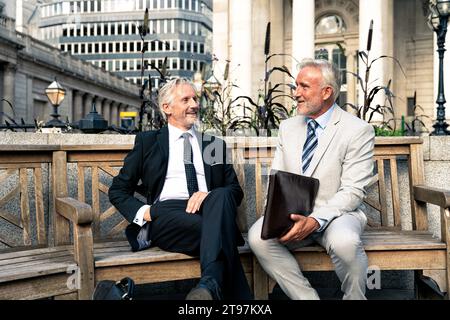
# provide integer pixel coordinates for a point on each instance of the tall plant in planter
(217, 104)
(368, 109)
(267, 110)
(148, 95)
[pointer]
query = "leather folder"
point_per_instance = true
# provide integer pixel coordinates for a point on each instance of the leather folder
(288, 193)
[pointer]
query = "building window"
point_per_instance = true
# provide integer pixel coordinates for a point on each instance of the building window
(119, 29)
(131, 46)
(174, 64)
(188, 65)
(181, 45)
(181, 64)
(89, 48)
(124, 65)
(103, 65)
(69, 48)
(195, 47)
(96, 48)
(124, 47)
(138, 46)
(188, 47)
(75, 48)
(110, 47)
(340, 60)
(103, 47)
(117, 46)
(83, 48)
(202, 48)
(330, 24)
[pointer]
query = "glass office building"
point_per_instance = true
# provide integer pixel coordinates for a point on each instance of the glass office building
(105, 33)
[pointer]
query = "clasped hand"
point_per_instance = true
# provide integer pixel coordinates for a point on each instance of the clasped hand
(195, 201)
(303, 227)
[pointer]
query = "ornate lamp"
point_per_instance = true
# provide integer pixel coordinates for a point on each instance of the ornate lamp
(439, 13)
(55, 94)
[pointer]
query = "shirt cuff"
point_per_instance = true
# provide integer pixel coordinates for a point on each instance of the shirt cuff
(139, 217)
(321, 223)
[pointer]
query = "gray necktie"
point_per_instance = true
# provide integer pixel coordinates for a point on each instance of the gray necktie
(191, 175)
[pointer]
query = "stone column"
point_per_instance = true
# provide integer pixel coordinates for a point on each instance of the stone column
(77, 105)
(114, 113)
(303, 31)
(241, 47)
(9, 77)
(381, 12)
(87, 104)
(120, 108)
(106, 110)
(352, 83)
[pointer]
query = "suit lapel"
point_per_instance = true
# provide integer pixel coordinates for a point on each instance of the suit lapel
(203, 143)
(299, 140)
(163, 141)
(325, 138)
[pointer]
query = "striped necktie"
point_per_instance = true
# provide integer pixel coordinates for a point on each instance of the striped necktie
(191, 175)
(310, 144)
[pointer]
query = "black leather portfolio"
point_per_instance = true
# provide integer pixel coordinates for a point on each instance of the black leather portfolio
(288, 193)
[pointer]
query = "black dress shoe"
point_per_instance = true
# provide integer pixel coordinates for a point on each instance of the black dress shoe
(206, 289)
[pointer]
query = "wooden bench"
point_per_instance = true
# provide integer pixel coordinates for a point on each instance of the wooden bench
(33, 264)
(390, 242)
(95, 167)
(97, 250)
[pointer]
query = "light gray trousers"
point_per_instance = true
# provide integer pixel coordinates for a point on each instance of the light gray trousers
(342, 241)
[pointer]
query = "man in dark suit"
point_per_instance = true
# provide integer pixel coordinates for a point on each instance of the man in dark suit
(192, 195)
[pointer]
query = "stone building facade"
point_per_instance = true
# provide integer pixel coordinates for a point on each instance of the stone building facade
(336, 29)
(28, 66)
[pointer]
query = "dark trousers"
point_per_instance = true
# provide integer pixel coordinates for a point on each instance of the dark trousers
(211, 234)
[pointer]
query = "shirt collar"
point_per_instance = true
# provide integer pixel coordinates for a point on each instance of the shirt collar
(323, 119)
(175, 133)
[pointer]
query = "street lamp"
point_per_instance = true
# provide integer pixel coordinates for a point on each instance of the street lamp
(439, 13)
(55, 94)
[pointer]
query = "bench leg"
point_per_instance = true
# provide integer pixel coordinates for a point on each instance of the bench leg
(260, 281)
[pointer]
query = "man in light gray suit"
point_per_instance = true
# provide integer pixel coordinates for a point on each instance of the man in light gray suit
(325, 142)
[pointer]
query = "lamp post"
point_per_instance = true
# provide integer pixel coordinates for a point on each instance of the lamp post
(55, 94)
(439, 13)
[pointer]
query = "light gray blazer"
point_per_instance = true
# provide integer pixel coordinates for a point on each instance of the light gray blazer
(343, 162)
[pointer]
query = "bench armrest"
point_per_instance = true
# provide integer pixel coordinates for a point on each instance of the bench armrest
(436, 196)
(76, 211)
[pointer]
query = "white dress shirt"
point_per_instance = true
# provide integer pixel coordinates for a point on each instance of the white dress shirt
(175, 186)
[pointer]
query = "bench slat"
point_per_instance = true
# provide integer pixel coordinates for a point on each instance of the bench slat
(20, 252)
(37, 270)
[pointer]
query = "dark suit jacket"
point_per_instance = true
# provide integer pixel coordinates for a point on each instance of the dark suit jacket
(148, 162)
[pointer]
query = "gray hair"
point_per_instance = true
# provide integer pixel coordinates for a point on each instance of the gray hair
(330, 73)
(167, 92)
